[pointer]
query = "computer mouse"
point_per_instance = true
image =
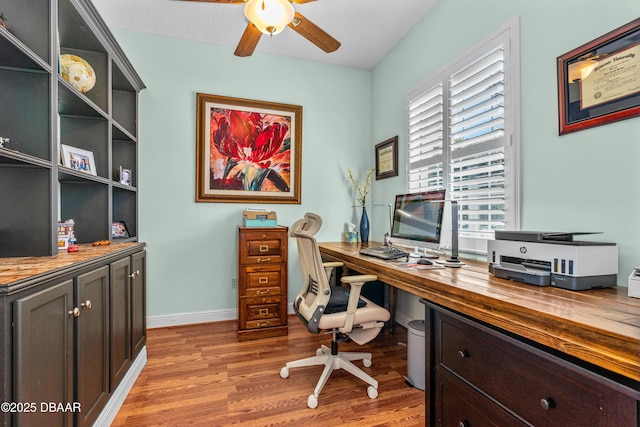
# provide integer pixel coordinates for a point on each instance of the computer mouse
(424, 261)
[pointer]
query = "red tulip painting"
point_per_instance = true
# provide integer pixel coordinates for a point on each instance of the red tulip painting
(248, 151)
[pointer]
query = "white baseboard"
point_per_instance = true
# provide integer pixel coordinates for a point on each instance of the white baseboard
(181, 319)
(116, 400)
(191, 318)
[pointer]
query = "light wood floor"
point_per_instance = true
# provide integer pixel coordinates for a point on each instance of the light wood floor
(200, 375)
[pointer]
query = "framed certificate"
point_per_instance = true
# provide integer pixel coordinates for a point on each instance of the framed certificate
(599, 82)
(387, 158)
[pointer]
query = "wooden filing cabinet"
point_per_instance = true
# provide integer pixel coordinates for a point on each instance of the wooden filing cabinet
(262, 282)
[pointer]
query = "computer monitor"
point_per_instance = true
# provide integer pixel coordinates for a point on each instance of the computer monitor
(417, 219)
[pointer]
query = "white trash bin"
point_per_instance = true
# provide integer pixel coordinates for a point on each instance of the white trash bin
(415, 354)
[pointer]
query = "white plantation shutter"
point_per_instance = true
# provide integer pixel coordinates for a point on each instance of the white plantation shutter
(463, 136)
(426, 140)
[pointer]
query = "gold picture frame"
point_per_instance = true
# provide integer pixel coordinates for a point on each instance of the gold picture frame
(247, 151)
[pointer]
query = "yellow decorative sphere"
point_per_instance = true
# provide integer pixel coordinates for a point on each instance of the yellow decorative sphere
(77, 72)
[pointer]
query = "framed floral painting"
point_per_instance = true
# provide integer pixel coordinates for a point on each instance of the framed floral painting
(247, 151)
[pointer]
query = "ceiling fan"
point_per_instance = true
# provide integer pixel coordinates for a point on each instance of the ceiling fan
(271, 17)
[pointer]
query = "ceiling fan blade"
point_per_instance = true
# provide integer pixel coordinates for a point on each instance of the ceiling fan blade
(248, 41)
(313, 33)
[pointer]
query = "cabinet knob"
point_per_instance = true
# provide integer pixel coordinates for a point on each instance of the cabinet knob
(462, 354)
(134, 274)
(75, 312)
(86, 304)
(463, 424)
(547, 403)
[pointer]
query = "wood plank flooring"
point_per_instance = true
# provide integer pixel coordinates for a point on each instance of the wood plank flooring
(200, 375)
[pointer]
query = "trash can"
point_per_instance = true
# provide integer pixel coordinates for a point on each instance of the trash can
(415, 354)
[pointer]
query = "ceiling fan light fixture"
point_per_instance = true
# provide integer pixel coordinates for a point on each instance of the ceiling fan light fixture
(269, 16)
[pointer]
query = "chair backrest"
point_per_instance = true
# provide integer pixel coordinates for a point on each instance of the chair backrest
(315, 291)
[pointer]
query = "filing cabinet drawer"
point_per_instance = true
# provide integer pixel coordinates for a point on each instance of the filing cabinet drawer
(263, 312)
(263, 246)
(262, 280)
(544, 391)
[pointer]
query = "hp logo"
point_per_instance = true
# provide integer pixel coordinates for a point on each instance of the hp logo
(523, 249)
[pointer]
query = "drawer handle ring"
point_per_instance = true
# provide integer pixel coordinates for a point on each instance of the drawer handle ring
(547, 403)
(462, 354)
(264, 248)
(263, 280)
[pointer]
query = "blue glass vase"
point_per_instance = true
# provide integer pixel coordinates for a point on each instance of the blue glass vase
(364, 226)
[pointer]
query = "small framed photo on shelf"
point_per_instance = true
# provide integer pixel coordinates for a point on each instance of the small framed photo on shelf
(78, 159)
(124, 176)
(119, 230)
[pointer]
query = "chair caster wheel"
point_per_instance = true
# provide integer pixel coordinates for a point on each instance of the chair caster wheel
(319, 352)
(366, 362)
(312, 401)
(372, 392)
(284, 372)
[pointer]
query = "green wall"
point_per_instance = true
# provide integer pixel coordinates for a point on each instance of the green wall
(192, 246)
(584, 181)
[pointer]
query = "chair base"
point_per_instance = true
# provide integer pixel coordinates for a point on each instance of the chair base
(333, 360)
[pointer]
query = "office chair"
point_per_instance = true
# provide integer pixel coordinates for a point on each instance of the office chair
(338, 310)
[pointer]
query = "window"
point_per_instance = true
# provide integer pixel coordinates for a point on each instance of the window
(463, 135)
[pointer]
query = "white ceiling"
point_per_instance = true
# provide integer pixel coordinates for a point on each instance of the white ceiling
(367, 29)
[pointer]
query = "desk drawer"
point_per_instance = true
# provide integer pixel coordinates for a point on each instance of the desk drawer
(263, 312)
(262, 280)
(457, 404)
(544, 391)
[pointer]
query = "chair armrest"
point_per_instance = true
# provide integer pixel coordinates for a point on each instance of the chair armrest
(356, 283)
(330, 266)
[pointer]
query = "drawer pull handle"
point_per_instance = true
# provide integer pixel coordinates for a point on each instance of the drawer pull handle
(462, 354)
(265, 292)
(547, 403)
(264, 259)
(263, 324)
(263, 280)
(264, 248)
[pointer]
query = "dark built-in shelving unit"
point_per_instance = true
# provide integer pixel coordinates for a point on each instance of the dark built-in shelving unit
(40, 110)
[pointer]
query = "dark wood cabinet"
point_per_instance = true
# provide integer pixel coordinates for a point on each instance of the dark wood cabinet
(69, 332)
(483, 376)
(92, 343)
(138, 292)
(43, 342)
(262, 282)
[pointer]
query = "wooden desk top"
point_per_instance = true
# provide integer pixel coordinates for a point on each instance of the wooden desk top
(599, 326)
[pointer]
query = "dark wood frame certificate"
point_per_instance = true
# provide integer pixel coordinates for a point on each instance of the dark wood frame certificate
(387, 158)
(599, 82)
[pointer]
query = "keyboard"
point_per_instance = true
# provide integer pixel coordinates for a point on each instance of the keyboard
(384, 252)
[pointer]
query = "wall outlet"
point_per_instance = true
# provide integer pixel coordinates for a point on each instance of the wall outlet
(234, 283)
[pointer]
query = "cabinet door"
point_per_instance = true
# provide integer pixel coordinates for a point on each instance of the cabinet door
(138, 302)
(92, 344)
(43, 354)
(120, 321)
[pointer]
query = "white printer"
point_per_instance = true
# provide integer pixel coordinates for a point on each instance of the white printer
(553, 259)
